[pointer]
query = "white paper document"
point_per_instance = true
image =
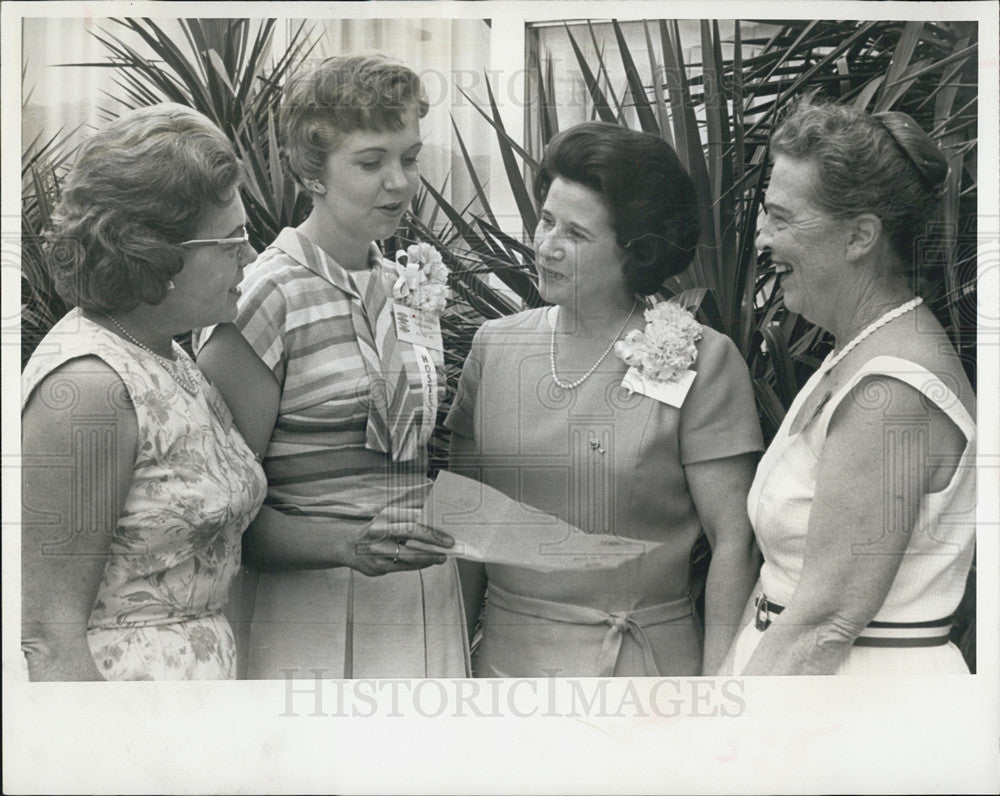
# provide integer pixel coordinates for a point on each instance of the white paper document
(488, 526)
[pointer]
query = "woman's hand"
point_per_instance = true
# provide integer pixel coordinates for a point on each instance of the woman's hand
(382, 546)
(276, 541)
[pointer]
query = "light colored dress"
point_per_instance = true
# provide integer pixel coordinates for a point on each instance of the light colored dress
(931, 578)
(607, 463)
(176, 547)
(299, 312)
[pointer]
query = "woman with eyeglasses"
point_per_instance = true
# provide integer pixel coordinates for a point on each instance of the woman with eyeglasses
(325, 387)
(137, 486)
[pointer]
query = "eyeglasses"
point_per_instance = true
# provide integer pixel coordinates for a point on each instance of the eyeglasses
(243, 239)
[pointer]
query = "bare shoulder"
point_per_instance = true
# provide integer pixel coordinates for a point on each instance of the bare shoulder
(922, 341)
(82, 390)
(232, 365)
(882, 410)
(226, 338)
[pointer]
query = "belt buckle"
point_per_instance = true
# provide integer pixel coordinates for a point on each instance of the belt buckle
(761, 619)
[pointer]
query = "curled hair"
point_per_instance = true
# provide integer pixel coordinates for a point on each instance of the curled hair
(343, 94)
(137, 188)
(882, 163)
(653, 203)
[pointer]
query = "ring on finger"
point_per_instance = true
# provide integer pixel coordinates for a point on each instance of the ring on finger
(395, 557)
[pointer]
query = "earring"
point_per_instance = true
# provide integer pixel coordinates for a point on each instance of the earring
(316, 187)
(170, 284)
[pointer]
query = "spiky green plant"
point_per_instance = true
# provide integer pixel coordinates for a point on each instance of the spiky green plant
(43, 162)
(227, 73)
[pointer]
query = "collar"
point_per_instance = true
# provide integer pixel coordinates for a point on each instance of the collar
(301, 249)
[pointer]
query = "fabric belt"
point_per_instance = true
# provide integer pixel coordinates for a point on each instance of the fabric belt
(619, 623)
(931, 633)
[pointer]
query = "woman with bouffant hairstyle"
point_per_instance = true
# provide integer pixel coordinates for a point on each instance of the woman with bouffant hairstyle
(136, 486)
(545, 413)
(864, 504)
(331, 398)
(654, 209)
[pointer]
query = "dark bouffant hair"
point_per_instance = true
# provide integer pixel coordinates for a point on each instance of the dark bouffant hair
(343, 94)
(137, 189)
(652, 199)
(882, 163)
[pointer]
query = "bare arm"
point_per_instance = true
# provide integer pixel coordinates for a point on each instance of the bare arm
(68, 520)
(248, 386)
(725, 668)
(719, 490)
(869, 486)
(276, 540)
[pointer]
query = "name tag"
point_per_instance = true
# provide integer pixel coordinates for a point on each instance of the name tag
(428, 389)
(671, 393)
(417, 328)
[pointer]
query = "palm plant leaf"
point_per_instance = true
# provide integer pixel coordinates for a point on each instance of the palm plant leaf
(659, 102)
(647, 119)
(516, 278)
(42, 165)
(673, 74)
(718, 117)
(781, 361)
(549, 109)
(604, 78)
(601, 106)
(704, 270)
(473, 176)
(525, 205)
(514, 247)
(898, 67)
(494, 120)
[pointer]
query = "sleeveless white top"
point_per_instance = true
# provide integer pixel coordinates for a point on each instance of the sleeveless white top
(931, 578)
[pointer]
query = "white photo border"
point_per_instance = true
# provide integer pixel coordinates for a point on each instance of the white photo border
(784, 735)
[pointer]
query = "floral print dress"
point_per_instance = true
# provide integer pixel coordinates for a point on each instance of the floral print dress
(176, 548)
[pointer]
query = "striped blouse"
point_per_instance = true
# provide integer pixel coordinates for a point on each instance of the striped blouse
(296, 313)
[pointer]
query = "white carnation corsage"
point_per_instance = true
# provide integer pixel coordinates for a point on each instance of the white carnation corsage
(660, 356)
(422, 283)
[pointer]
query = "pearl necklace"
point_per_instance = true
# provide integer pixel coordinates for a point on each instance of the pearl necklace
(891, 315)
(552, 352)
(176, 368)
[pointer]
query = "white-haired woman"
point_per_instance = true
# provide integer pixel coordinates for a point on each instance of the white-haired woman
(864, 504)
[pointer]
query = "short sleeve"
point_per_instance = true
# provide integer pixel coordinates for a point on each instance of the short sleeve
(719, 416)
(261, 317)
(461, 416)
